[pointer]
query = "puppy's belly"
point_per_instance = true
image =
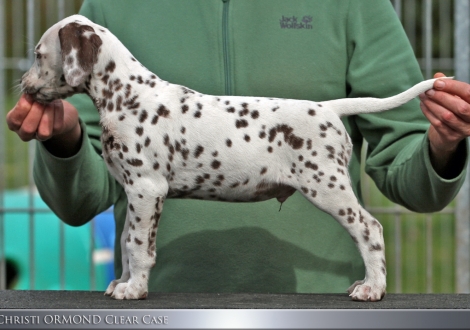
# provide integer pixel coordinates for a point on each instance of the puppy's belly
(239, 191)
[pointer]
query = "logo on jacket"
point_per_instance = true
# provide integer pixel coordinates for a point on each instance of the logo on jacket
(293, 22)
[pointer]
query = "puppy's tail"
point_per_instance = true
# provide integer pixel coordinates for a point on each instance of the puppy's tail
(354, 106)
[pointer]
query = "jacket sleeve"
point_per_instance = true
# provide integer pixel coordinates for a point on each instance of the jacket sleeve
(382, 64)
(79, 187)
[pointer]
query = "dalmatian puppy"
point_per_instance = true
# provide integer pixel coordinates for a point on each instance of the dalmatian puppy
(162, 140)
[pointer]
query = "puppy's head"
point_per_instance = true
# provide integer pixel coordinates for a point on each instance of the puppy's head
(65, 57)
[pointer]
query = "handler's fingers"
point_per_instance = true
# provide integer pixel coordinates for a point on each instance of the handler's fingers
(58, 116)
(442, 113)
(45, 128)
(454, 87)
(445, 122)
(17, 115)
(30, 124)
(456, 105)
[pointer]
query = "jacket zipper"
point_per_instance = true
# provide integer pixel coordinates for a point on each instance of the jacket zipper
(226, 48)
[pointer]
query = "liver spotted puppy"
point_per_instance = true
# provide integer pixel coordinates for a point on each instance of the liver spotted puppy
(162, 140)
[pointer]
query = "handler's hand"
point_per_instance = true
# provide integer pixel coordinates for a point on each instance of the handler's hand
(56, 124)
(447, 107)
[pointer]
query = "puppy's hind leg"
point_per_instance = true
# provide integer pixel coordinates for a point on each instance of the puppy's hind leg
(340, 202)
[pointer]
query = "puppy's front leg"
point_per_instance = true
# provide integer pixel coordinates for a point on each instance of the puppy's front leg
(124, 258)
(144, 211)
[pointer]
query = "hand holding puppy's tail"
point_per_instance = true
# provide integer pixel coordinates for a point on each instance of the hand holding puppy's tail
(355, 106)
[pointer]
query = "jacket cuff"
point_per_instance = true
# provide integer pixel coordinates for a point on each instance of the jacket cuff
(461, 162)
(68, 164)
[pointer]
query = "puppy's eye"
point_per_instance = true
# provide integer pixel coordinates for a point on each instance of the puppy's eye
(38, 56)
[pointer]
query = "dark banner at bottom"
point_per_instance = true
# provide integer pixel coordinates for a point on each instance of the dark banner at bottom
(234, 319)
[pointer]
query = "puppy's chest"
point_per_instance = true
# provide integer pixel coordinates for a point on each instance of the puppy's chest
(144, 147)
(128, 142)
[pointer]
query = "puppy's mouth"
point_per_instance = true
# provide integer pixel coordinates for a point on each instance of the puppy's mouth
(41, 96)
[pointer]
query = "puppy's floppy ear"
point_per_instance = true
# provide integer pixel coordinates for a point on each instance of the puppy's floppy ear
(79, 46)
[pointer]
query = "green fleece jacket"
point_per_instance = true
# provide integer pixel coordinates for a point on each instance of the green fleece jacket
(314, 50)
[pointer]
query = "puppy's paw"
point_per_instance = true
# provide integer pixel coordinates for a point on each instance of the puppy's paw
(119, 291)
(109, 291)
(129, 290)
(352, 287)
(365, 292)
